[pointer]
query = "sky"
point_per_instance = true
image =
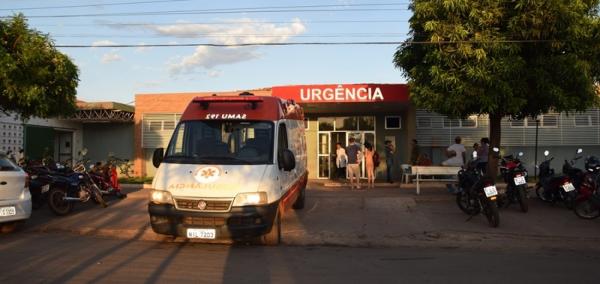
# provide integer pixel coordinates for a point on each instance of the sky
(118, 73)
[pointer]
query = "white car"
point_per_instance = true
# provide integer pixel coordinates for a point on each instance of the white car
(15, 199)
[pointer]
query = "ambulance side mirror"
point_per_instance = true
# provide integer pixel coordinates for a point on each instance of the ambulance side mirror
(157, 157)
(287, 161)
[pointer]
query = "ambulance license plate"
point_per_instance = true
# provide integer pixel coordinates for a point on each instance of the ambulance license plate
(8, 211)
(568, 187)
(520, 180)
(201, 234)
(490, 191)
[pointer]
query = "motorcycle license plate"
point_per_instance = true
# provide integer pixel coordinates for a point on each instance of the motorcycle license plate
(45, 188)
(201, 234)
(490, 191)
(8, 211)
(568, 187)
(520, 180)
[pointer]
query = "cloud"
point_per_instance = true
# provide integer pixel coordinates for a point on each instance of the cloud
(102, 43)
(111, 57)
(209, 57)
(214, 73)
(242, 31)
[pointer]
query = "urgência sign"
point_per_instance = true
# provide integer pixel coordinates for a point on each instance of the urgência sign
(341, 94)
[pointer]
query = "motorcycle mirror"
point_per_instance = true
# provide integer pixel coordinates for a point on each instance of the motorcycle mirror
(520, 154)
(546, 153)
(495, 149)
(579, 151)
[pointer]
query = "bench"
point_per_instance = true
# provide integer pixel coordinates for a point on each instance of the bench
(433, 171)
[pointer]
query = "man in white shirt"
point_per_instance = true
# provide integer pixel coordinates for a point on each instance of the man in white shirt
(456, 154)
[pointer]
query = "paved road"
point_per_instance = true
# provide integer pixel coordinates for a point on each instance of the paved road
(385, 217)
(66, 258)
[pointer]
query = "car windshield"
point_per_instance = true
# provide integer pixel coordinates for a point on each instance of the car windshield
(221, 142)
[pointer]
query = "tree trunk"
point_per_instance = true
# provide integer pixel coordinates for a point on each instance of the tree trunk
(495, 133)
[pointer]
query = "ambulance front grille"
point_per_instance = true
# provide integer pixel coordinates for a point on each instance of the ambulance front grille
(211, 205)
(204, 221)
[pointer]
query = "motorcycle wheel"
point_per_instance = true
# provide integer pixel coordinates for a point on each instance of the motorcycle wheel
(56, 203)
(541, 193)
(522, 196)
(570, 200)
(462, 200)
(98, 196)
(586, 210)
(492, 214)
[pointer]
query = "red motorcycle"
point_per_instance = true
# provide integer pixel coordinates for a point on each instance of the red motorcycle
(515, 177)
(587, 204)
(552, 188)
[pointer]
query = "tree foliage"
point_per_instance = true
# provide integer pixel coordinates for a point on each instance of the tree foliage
(503, 58)
(35, 78)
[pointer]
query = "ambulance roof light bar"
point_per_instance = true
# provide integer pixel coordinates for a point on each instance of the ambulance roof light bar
(206, 101)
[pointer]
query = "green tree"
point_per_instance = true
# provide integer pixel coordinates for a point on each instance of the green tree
(35, 78)
(514, 58)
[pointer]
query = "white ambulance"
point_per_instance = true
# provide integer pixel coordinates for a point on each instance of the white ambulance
(233, 166)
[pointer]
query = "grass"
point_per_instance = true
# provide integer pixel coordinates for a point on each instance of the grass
(136, 180)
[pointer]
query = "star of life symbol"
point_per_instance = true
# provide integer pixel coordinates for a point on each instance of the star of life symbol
(207, 174)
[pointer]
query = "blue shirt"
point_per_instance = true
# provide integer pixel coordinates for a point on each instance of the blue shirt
(352, 153)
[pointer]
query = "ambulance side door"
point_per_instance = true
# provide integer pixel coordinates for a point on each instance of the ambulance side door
(285, 177)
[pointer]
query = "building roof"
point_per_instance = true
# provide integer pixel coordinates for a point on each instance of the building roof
(103, 112)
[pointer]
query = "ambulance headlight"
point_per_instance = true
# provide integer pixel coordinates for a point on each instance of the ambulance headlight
(250, 198)
(161, 197)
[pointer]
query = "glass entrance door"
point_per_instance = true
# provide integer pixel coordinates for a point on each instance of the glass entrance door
(336, 137)
(324, 154)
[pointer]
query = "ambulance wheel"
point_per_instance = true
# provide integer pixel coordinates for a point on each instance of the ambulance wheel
(273, 238)
(299, 204)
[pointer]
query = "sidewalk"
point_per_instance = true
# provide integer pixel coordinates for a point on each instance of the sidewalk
(387, 216)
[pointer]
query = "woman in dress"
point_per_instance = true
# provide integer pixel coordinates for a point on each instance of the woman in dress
(369, 165)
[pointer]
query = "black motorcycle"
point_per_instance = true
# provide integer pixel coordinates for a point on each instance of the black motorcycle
(39, 185)
(515, 177)
(70, 187)
(553, 189)
(477, 194)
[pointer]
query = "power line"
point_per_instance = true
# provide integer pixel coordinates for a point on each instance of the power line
(297, 43)
(231, 35)
(227, 23)
(273, 9)
(91, 5)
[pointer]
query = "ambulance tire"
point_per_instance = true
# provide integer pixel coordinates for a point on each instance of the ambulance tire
(273, 238)
(299, 204)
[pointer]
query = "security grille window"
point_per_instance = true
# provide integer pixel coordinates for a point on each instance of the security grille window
(392, 122)
(168, 125)
(549, 121)
(451, 123)
(155, 125)
(586, 120)
(470, 122)
(423, 122)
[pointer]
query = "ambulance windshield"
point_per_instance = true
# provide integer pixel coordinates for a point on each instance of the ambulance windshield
(221, 142)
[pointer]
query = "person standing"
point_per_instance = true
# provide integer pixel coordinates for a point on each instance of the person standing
(389, 159)
(370, 165)
(455, 153)
(482, 155)
(341, 159)
(353, 153)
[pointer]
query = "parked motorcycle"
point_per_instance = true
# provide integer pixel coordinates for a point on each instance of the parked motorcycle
(68, 188)
(551, 188)
(515, 177)
(477, 194)
(39, 185)
(587, 205)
